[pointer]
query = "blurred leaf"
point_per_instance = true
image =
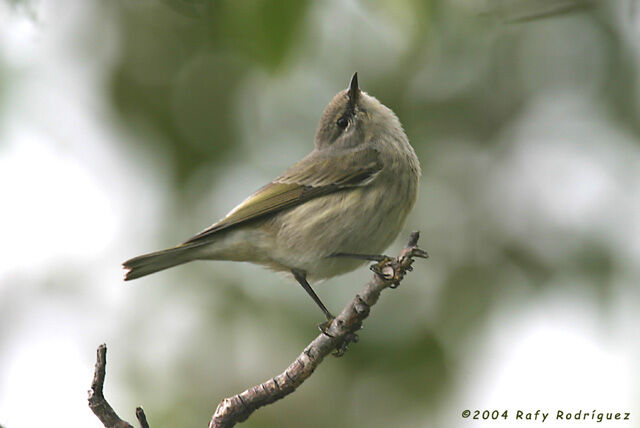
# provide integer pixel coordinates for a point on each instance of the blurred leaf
(418, 368)
(178, 74)
(469, 294)
(263, 30)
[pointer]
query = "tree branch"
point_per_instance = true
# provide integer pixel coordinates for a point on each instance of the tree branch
(339, 334)
(98, 404)
(336, 337)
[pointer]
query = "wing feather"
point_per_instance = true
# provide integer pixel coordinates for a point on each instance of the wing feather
(315, 175)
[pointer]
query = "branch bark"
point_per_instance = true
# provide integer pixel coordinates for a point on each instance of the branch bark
(335, 338)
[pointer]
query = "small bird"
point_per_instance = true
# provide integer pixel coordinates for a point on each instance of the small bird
(338, 207)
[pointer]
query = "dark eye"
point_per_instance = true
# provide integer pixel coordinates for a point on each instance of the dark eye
(342, 122)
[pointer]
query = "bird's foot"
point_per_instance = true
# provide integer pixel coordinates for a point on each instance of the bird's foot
(324, 326)
(383, 268)
(348, 339)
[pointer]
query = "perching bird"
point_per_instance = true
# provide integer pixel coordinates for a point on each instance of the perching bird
(326, 214)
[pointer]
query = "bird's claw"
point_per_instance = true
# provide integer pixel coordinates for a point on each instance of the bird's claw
(324, 327)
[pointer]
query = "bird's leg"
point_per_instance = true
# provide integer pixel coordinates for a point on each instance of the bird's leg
(376, 268)
(301, 277)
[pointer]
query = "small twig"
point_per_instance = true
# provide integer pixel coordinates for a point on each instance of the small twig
(336, 337)
(98, 403)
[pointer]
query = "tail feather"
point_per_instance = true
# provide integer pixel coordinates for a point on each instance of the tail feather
(153, 262)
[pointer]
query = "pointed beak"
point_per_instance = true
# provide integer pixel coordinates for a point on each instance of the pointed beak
(354, 90)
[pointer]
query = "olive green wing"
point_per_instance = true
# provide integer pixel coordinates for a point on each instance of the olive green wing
(316, 175)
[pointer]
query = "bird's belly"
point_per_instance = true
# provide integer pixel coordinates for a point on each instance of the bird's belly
(359, 221)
